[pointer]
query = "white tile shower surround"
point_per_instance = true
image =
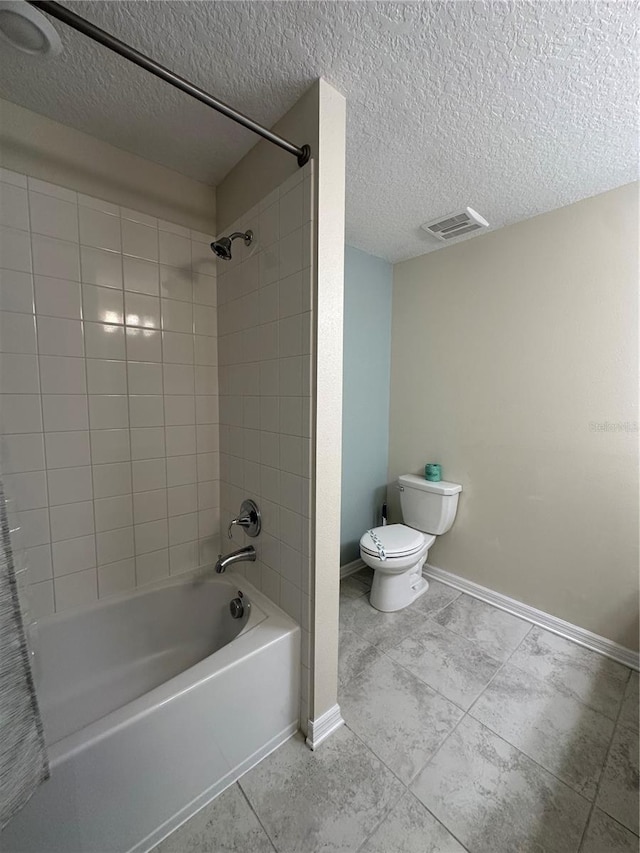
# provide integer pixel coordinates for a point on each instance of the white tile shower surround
(467, 729)
(265, 324)
(108, 384)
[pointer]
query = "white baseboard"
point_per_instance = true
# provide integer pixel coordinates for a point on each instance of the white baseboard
(538, 617)
(351, 568)
(324, 726)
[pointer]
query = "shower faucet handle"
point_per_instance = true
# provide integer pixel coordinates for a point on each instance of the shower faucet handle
(249, 519)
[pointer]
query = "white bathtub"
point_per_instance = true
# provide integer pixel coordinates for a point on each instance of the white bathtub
(153, 703)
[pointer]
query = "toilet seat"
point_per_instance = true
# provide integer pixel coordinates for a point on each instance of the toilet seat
(397, 540)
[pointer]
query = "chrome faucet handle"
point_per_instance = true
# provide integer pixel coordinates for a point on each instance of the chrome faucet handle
(249, 519)
(241, 521)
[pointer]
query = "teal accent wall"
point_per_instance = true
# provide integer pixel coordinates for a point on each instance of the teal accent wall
(368, 283)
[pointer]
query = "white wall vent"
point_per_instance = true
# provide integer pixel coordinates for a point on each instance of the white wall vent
(455, 225)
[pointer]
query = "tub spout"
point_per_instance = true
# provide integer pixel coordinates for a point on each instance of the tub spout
(246, 554)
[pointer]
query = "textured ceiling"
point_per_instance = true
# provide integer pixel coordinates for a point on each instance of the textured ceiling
(511, 108)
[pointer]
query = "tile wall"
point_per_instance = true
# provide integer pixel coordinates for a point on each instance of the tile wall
(265, 344)
(108, 393)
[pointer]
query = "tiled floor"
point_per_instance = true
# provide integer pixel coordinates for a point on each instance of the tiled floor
(467, 730)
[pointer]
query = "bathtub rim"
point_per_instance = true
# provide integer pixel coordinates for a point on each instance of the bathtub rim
(205, 574)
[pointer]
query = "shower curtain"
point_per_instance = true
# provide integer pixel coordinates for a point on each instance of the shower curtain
(23, 757)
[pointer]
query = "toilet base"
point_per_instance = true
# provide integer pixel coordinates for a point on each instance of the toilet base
(391, 592)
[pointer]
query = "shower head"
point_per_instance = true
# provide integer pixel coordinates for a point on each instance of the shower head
(222, 247)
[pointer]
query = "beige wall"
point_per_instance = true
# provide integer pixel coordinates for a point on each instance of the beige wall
(34, 145)
(508, 351)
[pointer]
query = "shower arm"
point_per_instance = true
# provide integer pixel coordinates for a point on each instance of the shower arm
(77, 22)
(247, 236)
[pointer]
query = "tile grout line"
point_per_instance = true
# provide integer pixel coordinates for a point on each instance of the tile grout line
(601, 774)
(407, 787)
(517, 749)
(513, 746)
(86, 390)
(464, 847)
(126, 374)
(409, 793)
(576, 699)
(392, 660)
(257, 816)
(493, 677)
(391, 808)
(457, 634)
(497, 672)
(465, 713)
(383, 819)
(468, 714)
(40, 394)
(375, 755)
(421, 680)
(402, 666)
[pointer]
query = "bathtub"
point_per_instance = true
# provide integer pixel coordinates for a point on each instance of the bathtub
(153, 703)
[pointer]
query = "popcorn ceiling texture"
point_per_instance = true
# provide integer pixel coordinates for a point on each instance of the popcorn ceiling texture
(512, 108)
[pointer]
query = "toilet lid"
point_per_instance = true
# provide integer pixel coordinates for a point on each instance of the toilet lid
(398, 540)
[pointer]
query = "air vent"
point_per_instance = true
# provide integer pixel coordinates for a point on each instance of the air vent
(455, 225)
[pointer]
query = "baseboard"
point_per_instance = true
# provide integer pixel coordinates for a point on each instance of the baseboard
(351, 568)
(538, 617)
(324, 726)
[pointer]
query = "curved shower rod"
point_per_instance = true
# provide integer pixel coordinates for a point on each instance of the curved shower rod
(56, 10)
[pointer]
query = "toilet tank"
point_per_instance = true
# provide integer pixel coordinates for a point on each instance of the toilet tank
(430, 507)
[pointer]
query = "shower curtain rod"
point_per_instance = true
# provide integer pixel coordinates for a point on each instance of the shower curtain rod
(85, 27)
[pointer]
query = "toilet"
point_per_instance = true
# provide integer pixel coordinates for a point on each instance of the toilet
(397, 552)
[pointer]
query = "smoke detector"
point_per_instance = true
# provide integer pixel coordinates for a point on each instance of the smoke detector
(455, 225)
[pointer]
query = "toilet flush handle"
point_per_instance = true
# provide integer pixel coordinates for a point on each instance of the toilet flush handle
(399, 487)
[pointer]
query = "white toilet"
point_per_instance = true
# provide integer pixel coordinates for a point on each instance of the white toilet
(397, 552)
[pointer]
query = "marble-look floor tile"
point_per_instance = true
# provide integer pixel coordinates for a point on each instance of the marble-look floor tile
(494, 799)
(411, 829)
(593, 679)
(438, 595)
(630, 704)
(447, 662)
(383, 630)
(354, 655)
(357, 584)
(563, 735)
(618, 794)
(365, 574)
(605, 835)
(227, 825)
(496, 632)
(324, 801)
(401, 719)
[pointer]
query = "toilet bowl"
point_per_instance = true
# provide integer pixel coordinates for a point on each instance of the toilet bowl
(397, 552)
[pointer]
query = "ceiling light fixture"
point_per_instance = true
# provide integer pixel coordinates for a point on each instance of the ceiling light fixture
(27, 29)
